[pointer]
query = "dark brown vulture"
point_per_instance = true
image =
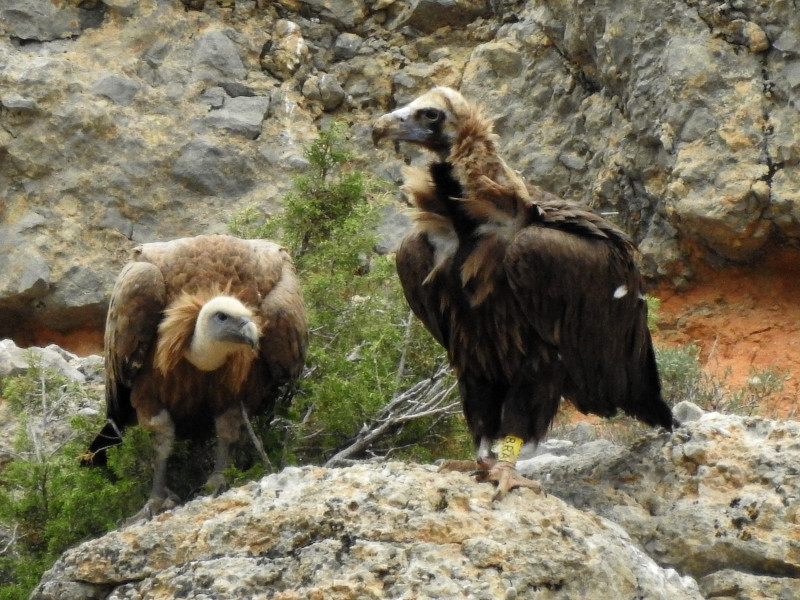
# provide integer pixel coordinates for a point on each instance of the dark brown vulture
(533, 298)
(198, 330)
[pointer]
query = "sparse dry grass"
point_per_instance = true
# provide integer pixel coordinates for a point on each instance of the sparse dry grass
(765, 394)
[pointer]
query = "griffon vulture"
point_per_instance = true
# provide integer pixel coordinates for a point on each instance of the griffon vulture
(199, 330)
(533, 298)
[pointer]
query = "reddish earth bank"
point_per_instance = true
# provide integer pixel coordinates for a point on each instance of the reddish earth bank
(745, 320)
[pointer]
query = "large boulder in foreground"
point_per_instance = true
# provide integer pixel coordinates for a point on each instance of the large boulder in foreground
(713, 505)
(379, 531)
(717, 500)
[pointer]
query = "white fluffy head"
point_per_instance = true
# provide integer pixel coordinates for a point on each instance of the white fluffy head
(223, 326)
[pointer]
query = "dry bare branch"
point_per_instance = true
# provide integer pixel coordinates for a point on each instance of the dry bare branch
(427, 398)
(12, 539)
(255, 439)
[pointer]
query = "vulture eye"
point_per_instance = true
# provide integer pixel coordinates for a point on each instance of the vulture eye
(221, 317)
(432, 115)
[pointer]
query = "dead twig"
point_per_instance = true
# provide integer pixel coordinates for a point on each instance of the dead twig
(429, 397)
(256, 440)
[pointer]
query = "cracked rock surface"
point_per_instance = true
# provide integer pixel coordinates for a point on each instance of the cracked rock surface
(126, 122)
(717, 499)
(709, 511)
(386, 531)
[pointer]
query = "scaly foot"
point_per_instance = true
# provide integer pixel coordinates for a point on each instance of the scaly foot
(505, 475)
(150, 509)
(500, 472)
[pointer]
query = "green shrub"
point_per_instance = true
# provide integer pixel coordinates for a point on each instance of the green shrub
(48, 503)
(363, 351)
(681, 373)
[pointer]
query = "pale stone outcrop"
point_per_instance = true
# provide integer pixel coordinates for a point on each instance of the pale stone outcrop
(717, 499)
(385, 531)
(709, 511)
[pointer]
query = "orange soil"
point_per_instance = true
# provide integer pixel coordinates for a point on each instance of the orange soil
(83, 342)
(745, 320)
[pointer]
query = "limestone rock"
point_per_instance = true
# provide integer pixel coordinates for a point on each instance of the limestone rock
(40, 20)
(708, 511)
(124, 8)
(388, 531)
(324, 89)
(429, 15)
(211, 169)
(287, 52)
(346, 45)
(242, 115)
(343, 14)
(15, 360)
(25, 276)
(118, 89)
(716, 500)
(601, 70)
(788, 42)
(216, 56)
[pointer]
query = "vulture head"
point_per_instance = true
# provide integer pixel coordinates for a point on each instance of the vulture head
(432, 121)
(223, 327)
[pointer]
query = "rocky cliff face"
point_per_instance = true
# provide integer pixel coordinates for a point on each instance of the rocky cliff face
(707, 512)
(123, 122)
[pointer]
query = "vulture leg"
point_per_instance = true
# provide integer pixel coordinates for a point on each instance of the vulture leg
(228, 426)
(503, 472)
(519, 414)
(484, 449)
(513, 416)
(164, 429)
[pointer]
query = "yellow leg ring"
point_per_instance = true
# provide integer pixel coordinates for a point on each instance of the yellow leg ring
(509, 449)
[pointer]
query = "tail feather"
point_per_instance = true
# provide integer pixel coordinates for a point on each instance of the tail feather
(650, 405)
(109, 436)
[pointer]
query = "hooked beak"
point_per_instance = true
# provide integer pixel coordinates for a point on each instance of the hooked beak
(399, 127)
(242, 330)
(250, 334)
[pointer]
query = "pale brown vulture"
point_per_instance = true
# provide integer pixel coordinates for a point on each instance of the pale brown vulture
(198, 330)
(533, 298)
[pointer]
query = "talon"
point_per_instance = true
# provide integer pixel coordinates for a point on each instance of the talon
(486, 463)
(491, 470)
(505, 475)
(151, 508)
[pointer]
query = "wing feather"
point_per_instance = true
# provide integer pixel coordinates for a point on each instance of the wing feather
(415, 262)
(135, 310)
(285, 333)
(571, 289)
